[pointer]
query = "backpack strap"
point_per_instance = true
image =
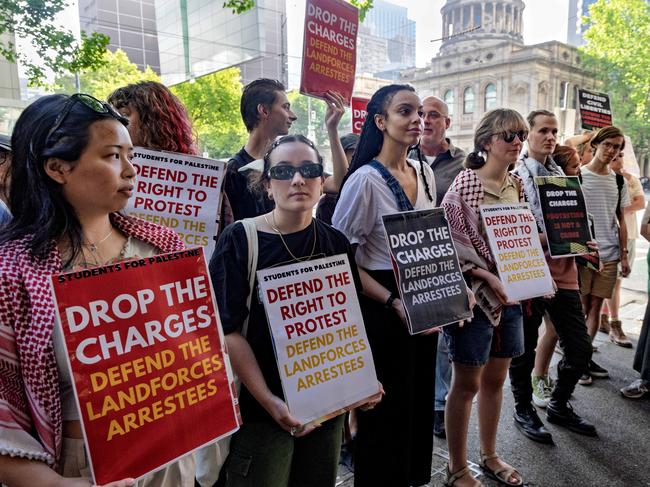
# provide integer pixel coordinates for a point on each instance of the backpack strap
(251, 236)
(402, 200)
(620, 182)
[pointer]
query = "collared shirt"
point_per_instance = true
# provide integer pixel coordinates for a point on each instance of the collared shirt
(244, 201)
(509, 193)
(446, 167)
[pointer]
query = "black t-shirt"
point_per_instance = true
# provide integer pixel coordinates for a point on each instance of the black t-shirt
(243, 201)
(228, 270)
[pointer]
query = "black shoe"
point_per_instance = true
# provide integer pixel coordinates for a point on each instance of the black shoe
(530, 425)
(439, 424)
(563, 415)
(596, 370)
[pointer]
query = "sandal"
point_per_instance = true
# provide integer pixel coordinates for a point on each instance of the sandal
(452, 478)
(501, 475)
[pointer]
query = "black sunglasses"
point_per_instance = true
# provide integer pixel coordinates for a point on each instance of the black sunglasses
(88, 101)
(508, 137)
(285, 172)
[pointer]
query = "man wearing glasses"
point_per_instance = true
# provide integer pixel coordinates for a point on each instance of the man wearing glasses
(564, 308)
(606, 196)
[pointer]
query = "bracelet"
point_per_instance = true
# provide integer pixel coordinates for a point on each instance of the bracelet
(389, 302)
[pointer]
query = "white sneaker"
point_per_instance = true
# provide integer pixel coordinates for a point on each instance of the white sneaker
(541, 390)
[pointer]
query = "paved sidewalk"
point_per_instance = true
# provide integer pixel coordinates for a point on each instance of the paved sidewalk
(619, 457)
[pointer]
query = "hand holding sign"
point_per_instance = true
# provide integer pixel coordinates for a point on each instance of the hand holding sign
(335, 110)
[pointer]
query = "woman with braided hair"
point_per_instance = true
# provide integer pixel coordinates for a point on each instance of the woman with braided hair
(394, 442)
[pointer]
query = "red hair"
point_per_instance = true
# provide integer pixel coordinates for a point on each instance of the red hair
(164, 122)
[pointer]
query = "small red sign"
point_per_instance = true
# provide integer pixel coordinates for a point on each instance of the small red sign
(146, 351)
(330, 48)
(359, 112)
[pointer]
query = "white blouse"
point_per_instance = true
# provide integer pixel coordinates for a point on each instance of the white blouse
(363, 201)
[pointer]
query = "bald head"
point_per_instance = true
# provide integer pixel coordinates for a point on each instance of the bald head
(437, 104)
(436, 123)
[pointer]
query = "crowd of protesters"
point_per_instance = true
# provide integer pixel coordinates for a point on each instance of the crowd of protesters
(66, 175)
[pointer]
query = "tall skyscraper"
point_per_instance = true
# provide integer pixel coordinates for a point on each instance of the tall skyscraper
(197, 37)
(576, 28)
(386, 41)
(130, 24)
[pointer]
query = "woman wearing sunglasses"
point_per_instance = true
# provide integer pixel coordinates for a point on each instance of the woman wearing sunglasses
(394, 441)
(482, 349)
(272, 448)
(71, 175)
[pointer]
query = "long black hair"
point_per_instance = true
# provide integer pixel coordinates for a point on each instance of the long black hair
(372, 139)
(37, 202)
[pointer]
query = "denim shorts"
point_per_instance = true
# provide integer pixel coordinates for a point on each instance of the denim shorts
(477, 341)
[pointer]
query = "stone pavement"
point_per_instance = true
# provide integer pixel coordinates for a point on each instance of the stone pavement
(619, 457)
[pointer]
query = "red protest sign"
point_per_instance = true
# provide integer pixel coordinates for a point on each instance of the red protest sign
(359, 112)
(145, 348)
(330, 48)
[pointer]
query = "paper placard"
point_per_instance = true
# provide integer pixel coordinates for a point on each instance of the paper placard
(145, 347)
(565, 215)
(427, 271)
(329, 55)
(359, 112)
(514, 242)
(320, 341)
(178, 191)
(595, 109)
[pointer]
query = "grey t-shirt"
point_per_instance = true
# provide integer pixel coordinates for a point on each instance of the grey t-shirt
(601, 197)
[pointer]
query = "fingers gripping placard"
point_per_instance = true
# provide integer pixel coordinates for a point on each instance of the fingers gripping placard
(320, 341)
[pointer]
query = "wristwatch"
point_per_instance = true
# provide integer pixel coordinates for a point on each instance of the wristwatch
(389, 302)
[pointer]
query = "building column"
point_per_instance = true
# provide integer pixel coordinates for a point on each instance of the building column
(482, 14)
(462, 19)
(494, 15)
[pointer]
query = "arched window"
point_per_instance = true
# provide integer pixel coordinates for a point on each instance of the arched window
(449, 100)
(490, 97)
(468, 100)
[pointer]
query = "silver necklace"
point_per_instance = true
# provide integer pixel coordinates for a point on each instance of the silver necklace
(92, 246)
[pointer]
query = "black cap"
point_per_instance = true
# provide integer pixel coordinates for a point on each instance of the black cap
(5, 142)
(349, 141)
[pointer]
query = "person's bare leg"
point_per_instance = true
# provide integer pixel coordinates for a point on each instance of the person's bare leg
(465, 382)
(545, 347)
(614, 302)
(490, 397)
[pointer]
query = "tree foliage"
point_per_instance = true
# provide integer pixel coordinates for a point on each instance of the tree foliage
(57, 49)
(618, 52)
(116, 70)
(241, 6)
(300, 106)
(212, 102)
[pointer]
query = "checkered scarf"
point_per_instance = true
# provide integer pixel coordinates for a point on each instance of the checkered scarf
(461, 204)
(30, 405)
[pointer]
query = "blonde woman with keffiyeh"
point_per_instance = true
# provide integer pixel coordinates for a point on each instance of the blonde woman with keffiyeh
(481, 350)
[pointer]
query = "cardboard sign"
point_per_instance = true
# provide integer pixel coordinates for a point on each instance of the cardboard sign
(321, 347)
(359, 112)
(330, 48)
(179, 191)
(514, 242)
(430, 282)
(595, 110)
(565, 215)
(145, 347)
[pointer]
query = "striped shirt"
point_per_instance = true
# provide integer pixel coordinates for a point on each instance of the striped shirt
(601, 197)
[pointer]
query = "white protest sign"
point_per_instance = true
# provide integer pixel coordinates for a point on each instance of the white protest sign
(514, 242)
(321, 347)
(178, 191)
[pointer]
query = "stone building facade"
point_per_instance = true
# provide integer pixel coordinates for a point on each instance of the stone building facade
(483, 64)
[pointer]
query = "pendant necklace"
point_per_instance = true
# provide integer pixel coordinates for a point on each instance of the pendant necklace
(277, 230)
(92, 246)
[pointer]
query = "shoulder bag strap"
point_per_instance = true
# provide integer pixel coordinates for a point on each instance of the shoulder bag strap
(251, 237)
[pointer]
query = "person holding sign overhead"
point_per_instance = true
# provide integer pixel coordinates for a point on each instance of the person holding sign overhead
(482, 349)
(394, 440)
(272, 448)
(71, 176)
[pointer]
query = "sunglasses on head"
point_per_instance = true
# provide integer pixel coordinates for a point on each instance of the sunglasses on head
(509, 137)
(89, 102)
(285, 172)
